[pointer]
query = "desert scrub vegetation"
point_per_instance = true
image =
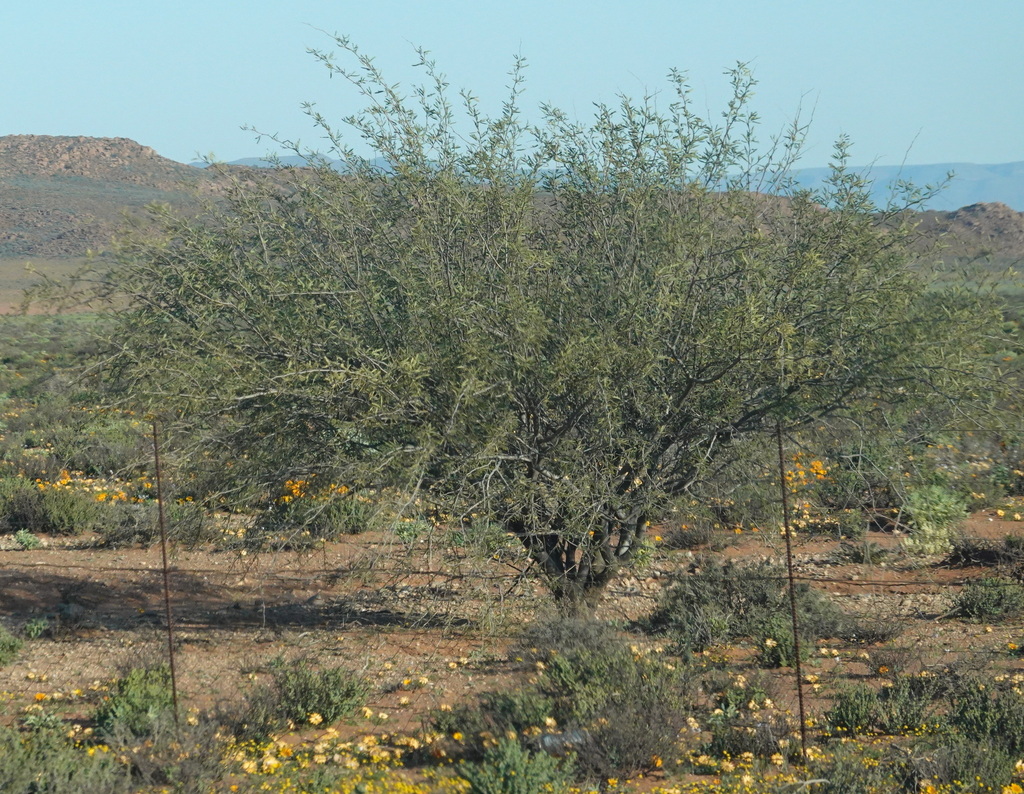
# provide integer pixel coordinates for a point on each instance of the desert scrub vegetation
(461, 324)
(616, 708)
(449, 348)
(10, 645)
(578, 723)
(137, 702)
(990, 598)
(299, 695)
(719, 602)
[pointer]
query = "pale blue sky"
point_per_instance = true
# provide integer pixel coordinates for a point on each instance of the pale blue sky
(941, 79)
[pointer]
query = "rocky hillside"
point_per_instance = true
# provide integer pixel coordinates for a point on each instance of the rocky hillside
(102, 159)
(992, 231)
(60, 196)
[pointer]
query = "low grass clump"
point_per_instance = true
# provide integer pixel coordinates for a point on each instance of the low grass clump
(903, 705)
(721, 602)
(508, 768)
(138, 702)
(990, 599)
(10, 646)
(300, 695)
(933, 512)
(47, 760)
(617, 708)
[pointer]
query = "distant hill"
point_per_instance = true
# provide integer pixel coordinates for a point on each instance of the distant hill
(60, 196)
(991, 231)
(971, 184)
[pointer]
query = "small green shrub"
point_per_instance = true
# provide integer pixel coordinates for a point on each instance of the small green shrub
(689, 536)
(509, 768)
(100, 444)
(496, 714)
(617, 706)
(21, 506)
(129, 523)
(26, 540)
(295, 693)
(46, 761)
(743, 718)
(1013, 548)
(991, 598)
(35, 628)
(333, 693)
(988, 713)
(183, 757)
(854, 708)
(42, 720)
(933, 512)
(958, 762)
(517, 710)
(309, 518)
(188, 523)
(739, 731)
(9, 646)
(71, 512)
(775, 646)
(138, 702)
(50, 511)
(970, 550)
(861, 768)
(862, 552)
(720, 602)
(906, 703)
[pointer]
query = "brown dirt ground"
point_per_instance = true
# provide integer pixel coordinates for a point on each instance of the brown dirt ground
(398, 613)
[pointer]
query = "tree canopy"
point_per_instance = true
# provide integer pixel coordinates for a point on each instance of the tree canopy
(556, 327)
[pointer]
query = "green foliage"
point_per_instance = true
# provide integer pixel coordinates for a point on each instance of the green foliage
(991, 598)
(26, 540)
(775, 646)
(298, 691)
(862, 769)
(853, 710)
(35, 628)
(988, 712)
(181, 757)
(961, 763)
(20, 505)
(508, 768)
(138, 702)
(863, 552)
(743, 718)
(950, 763)
(45, 760)
(719, 602)
(332, 693)
(615, 706)
(907, 702)
(933, 512)
(310, 518)
(901, 706)
(42, 720)
(51, 511)
(9, 646)
(128, 524)
(557, 326)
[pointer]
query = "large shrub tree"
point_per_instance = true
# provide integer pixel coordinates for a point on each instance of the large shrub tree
(556, 326)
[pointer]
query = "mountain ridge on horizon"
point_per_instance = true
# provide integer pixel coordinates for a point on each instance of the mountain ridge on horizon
(973, 183)
(62, 195)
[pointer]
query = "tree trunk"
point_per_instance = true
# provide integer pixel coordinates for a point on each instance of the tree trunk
(578, 599)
